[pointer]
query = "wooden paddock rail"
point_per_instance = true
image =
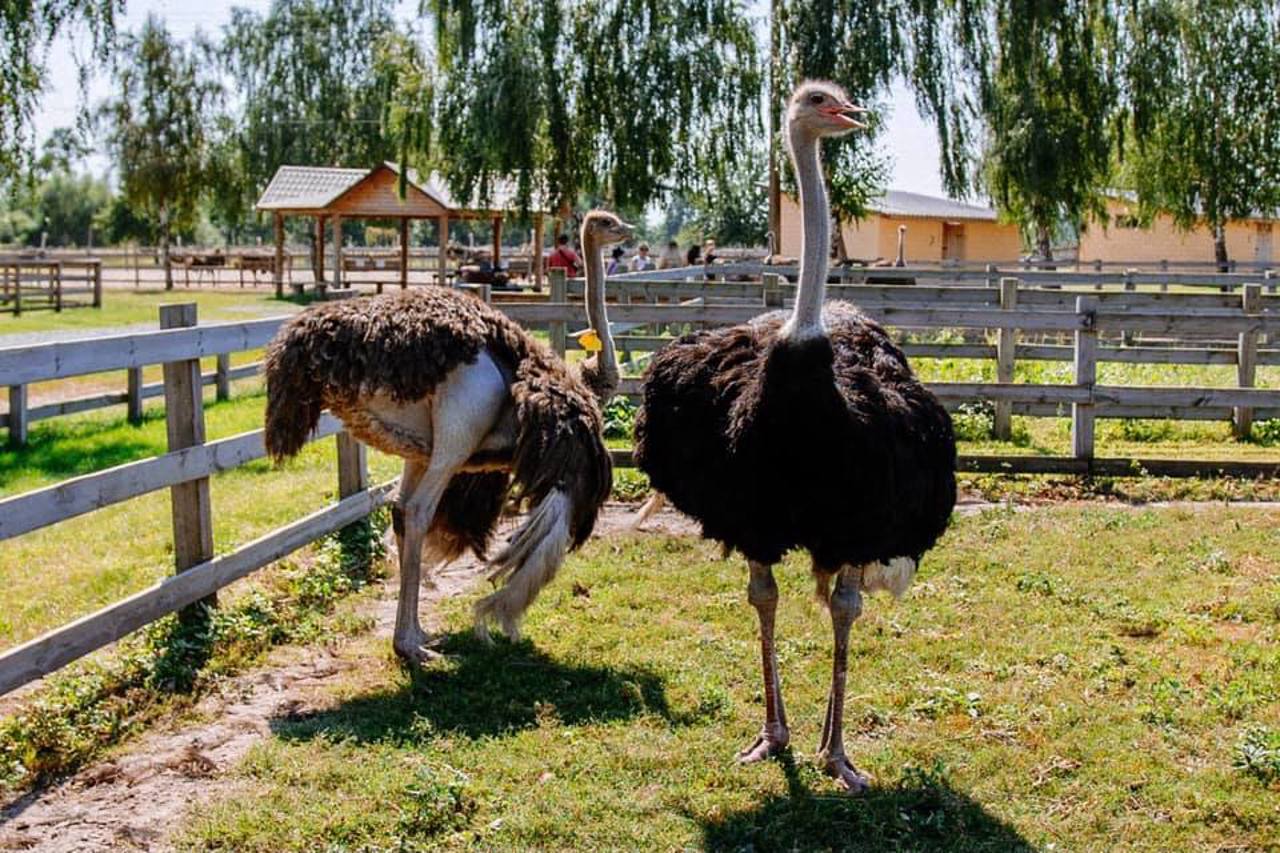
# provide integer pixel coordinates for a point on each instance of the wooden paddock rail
(185, 471)
(32, 284)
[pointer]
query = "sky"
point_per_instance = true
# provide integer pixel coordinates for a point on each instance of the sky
(909, 140)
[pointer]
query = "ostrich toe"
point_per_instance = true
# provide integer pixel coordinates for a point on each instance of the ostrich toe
(766, 745)
(839, 767)
(415, 647)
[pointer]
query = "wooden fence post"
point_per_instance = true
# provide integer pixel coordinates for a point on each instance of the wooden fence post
(1247, 360)
(992, 281)
(56, 270)
(18, 415)
(184, 416)
(1006, 344)
(222, 376)
(277, 265)
(1086, 374)
(97, 284)
(559, 296)
(1270, 277)
(353, 467)
(135, 395)
(772, 290)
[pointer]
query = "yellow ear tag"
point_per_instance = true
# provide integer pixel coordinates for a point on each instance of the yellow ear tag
(590, 341)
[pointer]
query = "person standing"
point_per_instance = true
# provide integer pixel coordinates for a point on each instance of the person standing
(564, 257)
(693, 257)
(642, 262)
(619, 263)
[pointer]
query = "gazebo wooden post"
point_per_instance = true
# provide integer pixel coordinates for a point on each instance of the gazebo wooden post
(404, 252)
(497, 242)
(443, 228)
(337, 251)
(278, 266)
(319, 269)
(536, 260)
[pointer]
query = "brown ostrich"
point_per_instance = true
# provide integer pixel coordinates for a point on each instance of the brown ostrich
(475, 406)
(803, 429)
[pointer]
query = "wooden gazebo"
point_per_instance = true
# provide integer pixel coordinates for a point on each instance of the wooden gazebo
(335, 194)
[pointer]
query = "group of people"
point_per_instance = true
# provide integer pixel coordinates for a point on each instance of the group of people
(564, 257)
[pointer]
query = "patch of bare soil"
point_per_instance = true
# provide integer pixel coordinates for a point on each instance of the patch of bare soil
(133, 801)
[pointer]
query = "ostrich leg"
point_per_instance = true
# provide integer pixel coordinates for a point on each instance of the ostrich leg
(846, 606)
(762, 592)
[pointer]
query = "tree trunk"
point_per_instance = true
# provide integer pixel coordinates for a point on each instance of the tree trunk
(1044, 242)
(1220, 247)
(164, 249)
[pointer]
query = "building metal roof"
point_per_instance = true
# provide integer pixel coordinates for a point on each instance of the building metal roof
(899, 203)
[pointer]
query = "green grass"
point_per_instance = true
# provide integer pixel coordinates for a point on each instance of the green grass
(50, 576)
(1081, 678)
(130, 307)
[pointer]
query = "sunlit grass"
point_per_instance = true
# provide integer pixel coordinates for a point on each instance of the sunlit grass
(133, 307)
(1087, 678)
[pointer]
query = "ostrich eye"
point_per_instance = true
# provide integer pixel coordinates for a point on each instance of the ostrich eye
(815, 99)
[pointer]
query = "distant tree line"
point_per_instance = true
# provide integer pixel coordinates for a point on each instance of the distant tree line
(1045, 108)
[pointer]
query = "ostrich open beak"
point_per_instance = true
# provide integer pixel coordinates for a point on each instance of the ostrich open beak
(844, 114)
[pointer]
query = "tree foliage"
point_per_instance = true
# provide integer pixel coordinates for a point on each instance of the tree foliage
(1204, 109)
(157, 127)
(1048, 100)
(27, 29)
(628, 99)
(310, 95)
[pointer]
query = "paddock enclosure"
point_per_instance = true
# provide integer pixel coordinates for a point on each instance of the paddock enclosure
(1083, 320)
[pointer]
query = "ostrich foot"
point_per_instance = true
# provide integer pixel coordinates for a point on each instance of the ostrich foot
(415, 647)
(838, 767)
(769, 743)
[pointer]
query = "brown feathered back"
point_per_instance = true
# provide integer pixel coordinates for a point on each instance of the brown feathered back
(404, 345)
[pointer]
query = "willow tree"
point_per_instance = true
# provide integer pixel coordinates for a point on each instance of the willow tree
(1201, 86)
(626, 99)
(157, 129)
(27, 30)
(1048, 98)
(310, 95)
(931, 44)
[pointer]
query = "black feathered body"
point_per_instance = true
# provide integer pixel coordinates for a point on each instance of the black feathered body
(338, 354)
(829, 444)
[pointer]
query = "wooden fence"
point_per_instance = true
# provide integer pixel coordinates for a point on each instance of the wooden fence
(184, 470)
(34, 284)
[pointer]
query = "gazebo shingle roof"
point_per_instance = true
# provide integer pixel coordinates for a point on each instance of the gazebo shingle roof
(307, 186)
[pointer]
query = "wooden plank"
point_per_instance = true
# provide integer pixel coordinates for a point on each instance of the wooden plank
(134, 395)
(222, 376)
(19, 416)
(1138, 395)
(1015, 393)
(353, 468)
(1086, 374)
(1006, 350)
(1247, 361)
(557, 330)
(70, 498)
(60, 647)
(191, 504)
(60, 360)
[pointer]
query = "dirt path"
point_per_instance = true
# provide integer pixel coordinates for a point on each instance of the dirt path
(132, 801)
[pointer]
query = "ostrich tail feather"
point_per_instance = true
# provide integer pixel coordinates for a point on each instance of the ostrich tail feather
(528, 563)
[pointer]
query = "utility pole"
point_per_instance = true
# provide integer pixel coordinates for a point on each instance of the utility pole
(775, 184)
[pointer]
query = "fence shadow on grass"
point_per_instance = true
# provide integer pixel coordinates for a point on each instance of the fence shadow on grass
(922, 812)
(484, 690)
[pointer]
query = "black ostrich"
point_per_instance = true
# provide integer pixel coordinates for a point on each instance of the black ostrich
(806, 430)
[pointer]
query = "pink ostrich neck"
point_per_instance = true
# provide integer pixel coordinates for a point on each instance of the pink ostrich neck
(815, 219)
(597, 316)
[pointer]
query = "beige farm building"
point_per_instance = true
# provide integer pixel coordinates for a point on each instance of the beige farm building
(1255, 241)
(937, 229)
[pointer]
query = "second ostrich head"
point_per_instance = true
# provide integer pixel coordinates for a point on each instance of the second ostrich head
(600, 229)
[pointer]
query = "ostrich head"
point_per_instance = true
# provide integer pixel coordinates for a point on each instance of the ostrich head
(818, 108)
(600, 229)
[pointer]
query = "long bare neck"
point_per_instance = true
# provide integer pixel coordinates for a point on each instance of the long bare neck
(605, 367)
(815, 219)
